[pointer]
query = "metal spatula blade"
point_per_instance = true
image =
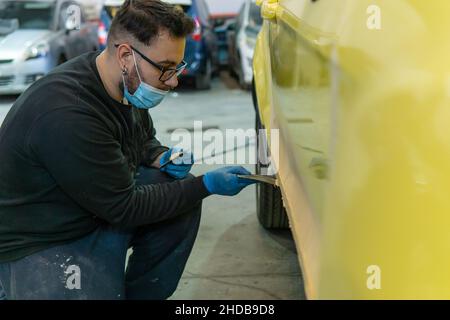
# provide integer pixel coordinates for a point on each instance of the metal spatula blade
(264, 179)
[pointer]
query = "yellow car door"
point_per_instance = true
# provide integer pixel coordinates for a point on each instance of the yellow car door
(359, 90)
(296, 100)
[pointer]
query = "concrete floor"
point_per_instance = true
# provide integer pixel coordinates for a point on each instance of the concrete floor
(233, 257)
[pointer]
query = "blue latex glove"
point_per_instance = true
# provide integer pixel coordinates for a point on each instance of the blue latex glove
(225, 181)
(180, 167)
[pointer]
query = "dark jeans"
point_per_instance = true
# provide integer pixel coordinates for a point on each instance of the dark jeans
(93, 267)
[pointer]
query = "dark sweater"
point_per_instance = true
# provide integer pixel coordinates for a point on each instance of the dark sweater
(68, 158)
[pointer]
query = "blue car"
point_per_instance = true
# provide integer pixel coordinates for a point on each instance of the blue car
(107, 13)
(103, 28)
(201, 46)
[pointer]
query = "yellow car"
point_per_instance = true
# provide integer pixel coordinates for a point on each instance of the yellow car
(359, 91)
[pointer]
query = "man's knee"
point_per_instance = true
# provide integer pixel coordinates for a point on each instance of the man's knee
(146, 175)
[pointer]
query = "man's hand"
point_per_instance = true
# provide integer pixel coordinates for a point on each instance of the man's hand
(225, 181)
(178, 168)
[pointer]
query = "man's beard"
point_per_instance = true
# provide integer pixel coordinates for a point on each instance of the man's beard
(132, 81)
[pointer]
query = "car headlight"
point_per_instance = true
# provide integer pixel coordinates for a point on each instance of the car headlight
(37, 51)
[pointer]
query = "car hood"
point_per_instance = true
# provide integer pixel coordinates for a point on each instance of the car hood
(16, 43)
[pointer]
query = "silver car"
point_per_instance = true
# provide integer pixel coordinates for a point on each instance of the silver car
(242, 41)
(36, 36)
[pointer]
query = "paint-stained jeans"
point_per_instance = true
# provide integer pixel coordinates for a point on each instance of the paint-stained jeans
(93, 267)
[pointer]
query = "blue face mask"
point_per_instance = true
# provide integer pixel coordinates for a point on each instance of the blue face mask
(146, 96)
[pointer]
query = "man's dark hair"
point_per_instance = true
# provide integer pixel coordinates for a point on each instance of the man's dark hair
(143, 20)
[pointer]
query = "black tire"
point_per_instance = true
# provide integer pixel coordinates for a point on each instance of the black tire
(203, 80)
(269, 203)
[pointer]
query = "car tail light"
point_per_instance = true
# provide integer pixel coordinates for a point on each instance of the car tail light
(102, 34)
(197, 35)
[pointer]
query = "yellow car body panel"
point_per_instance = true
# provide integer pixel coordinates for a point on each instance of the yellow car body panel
(360, 93)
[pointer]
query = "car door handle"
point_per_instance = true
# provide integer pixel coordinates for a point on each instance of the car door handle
(268, 9)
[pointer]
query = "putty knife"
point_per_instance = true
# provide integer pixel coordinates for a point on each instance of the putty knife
(264, 179)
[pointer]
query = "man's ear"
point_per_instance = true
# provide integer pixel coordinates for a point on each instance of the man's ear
(123, 55)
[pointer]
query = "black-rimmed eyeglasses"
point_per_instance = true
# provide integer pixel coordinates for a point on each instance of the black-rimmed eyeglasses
(166, 73)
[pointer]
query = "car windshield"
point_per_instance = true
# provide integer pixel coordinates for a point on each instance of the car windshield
(255, 19)
(30, 14)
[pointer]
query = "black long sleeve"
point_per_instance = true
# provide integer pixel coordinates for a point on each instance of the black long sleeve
(87, 163)
(68, 158)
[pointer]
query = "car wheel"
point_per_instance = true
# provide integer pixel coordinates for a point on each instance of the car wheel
(203, 81)
(269, 203)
